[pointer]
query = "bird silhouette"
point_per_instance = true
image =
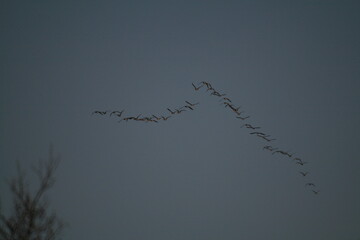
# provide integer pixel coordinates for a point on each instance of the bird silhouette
(299, 161)
(192, 104)
(165, 118)
(310, 185)
(270, 148)
(157, 118)
(260, 133)
(180, 110)
(99, 112)
(118, 113)
(243, 118)
(171, 111)
(197, 88)
(280, 151)
(304, 173)
(250, 126)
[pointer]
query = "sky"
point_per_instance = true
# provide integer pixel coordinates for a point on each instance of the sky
(292, 66)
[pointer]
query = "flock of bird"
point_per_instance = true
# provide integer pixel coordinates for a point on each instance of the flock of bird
(153, 118)
(228, 104)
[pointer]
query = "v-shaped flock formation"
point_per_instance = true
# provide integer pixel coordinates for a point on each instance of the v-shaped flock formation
(228, 104)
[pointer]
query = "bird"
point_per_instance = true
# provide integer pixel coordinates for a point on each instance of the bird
(118, 113)
(208, 85)
(171, 111)
(227, 104)
(157, 118)
(191, 104)
(99, 112)
(260, 133)
(243, 118)
(197, 88)
(215, 93)
(315, 192)
(301, 163)
(128, 118)
(304, 173)
(309, 184)
(280, 151)
(250, 126)
(227, 99)
(165, 118)
(270, 148)
(180, 110)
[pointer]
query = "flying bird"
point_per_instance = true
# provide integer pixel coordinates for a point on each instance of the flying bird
(310, 184)
(208, 85)
(171, 111)
(304, 173)
(99, 112)
(197, 88)
(315, 192)
(118, 113)
(243, 118)
(260, 133)
(180, 110)
(270, 148)
(227, 104)
(157, 118)
(165, 118)
(299, 161)
(191, 104)
(250, 126)
(280, 151)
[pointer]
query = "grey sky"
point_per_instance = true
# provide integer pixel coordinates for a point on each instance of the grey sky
(293, 66)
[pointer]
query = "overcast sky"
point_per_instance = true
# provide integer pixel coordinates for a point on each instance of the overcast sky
(292, 66)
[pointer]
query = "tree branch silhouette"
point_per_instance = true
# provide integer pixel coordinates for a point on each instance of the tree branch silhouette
(30, 218)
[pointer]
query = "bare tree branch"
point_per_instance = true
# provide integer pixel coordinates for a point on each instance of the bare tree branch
(30, 219)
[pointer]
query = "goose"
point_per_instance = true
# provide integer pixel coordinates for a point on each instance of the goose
(260, 133)
(191, 104)
(243, 118)
(301, 163)
(304, 173)
(267, 139)
(118, 113)
(157, 118)
(280, 151)
(165, 118)
(99, 112)
(249, 126)
(208, 85)
(171, 111)
(197, 88)
(270, 148)
(227, 104)
(180, 110)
